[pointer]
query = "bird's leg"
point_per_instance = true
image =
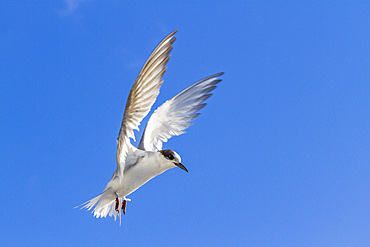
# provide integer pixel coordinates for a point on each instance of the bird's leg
(124, 206)
(124, 203)
(117, 204)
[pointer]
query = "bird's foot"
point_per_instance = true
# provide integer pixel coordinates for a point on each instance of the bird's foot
(124, 206)
(124, 203)
(117, 204)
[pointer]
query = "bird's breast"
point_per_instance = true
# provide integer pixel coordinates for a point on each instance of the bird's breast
(138, 171)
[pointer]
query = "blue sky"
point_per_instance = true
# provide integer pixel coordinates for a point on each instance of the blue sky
(279, 157)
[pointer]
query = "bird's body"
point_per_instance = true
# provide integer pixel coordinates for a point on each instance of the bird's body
(141, 166)
(136, 166)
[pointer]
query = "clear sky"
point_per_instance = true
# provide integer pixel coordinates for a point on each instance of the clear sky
(279, 157)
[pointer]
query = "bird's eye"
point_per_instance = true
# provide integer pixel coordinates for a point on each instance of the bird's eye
(170, 156)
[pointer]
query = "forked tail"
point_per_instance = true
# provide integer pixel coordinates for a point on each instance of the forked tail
(104, 204)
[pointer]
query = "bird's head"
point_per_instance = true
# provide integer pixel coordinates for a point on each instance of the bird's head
(172, 159)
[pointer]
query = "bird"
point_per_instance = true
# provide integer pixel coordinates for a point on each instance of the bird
(136, 166)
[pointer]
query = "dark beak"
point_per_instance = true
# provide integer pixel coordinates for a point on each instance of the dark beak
(181, 166)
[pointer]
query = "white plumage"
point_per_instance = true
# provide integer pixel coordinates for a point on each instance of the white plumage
(136, 166)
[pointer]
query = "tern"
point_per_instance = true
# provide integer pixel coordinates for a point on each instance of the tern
(136, 166)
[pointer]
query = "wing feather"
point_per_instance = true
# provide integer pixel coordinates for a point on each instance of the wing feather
(141, 97)
(177, 114)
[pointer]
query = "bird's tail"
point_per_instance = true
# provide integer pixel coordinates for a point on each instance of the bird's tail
(104, 205)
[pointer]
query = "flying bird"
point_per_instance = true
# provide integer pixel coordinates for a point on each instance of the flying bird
(136, 166)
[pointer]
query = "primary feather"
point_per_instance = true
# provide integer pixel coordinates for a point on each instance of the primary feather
(141, 98)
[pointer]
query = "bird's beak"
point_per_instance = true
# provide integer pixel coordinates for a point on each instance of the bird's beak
(181, 166)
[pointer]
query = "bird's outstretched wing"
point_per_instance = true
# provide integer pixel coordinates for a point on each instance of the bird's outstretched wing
(177, 114)
(142, 96)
